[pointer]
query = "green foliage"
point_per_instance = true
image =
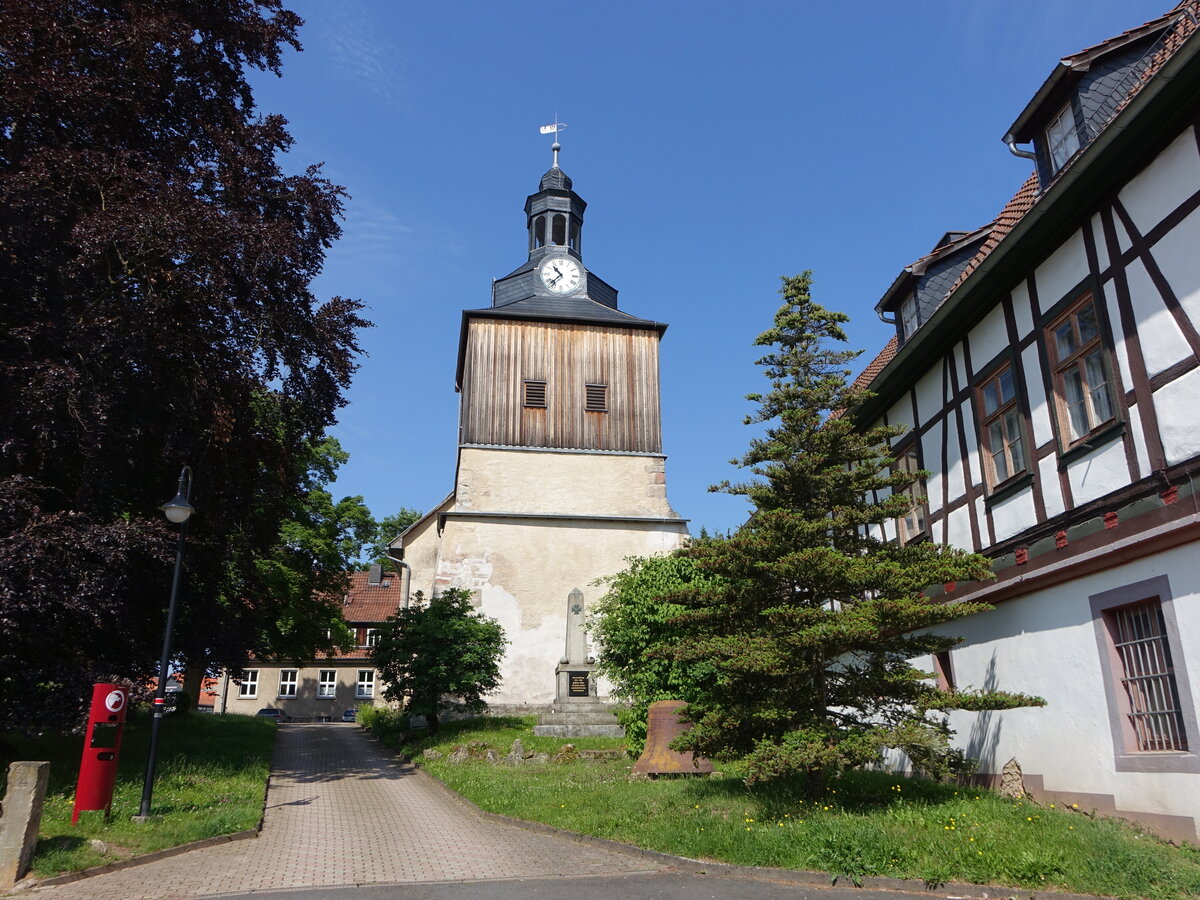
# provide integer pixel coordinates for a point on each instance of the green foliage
(387, 724)
(156, 265)
(306, 570)
(812, 618)
(383, 533)
(636, 612)
(439, 656)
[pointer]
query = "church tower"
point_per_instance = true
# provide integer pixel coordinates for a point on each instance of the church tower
(560, 472)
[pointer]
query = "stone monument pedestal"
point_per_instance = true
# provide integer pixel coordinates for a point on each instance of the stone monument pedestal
(577, 711)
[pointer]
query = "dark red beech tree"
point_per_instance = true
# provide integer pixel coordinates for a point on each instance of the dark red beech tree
(155, 310)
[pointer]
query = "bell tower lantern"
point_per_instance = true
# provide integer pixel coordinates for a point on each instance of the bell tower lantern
(555, 215)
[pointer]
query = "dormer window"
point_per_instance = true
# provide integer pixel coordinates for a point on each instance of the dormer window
(1062, 138)
(910, 319)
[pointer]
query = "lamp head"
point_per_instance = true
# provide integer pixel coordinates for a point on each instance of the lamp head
(178, 510)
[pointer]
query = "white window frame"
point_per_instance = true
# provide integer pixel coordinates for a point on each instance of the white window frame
(372, 637)
(914, 525)
(1062, 138)
(248, 689)
(1001, 427)
(364, 688)
(288, 678)
(326, 686)
(910, 317)
(1085, 364)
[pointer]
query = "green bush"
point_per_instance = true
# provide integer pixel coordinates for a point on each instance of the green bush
(391, 726)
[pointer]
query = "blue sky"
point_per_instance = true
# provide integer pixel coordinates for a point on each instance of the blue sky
(718, 146)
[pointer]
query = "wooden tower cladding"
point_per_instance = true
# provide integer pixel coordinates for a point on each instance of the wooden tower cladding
(531, 383)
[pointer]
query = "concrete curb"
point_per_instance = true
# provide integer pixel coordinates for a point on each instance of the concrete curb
(951, 890)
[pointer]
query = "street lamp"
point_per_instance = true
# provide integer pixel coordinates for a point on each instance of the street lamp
(177, 510)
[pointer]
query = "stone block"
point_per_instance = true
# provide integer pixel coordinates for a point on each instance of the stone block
(23, 802)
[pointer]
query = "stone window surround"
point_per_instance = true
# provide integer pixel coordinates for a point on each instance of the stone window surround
(1126, 759)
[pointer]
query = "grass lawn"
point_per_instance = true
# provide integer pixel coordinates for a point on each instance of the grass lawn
(867, 823)
(211, 779)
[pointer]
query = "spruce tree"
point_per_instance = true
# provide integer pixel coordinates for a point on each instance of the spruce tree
(815, 616)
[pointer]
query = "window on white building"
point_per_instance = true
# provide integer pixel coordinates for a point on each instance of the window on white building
(1082, 392)
(1150, 693)
(249, 686)
(1062, 138)
(288, 679)
(912, 524)
(1000, 427)
(327, 683)
(1152, 712)
(366, 683)
(910, 319)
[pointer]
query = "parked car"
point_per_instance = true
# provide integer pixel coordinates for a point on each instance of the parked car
(270, 713)
(350, 715)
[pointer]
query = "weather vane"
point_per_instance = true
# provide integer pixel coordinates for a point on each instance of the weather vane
(554, 130)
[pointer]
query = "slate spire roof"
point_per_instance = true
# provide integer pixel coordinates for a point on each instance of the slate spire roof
(555, 180)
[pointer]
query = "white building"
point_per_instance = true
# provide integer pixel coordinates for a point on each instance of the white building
(1049, 364)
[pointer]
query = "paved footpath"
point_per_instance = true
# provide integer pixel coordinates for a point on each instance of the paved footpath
(341, 810)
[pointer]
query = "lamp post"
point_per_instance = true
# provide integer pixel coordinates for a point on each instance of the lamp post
(177, 510)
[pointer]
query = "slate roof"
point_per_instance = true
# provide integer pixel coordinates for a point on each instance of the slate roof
(564, 309)
(555, 180)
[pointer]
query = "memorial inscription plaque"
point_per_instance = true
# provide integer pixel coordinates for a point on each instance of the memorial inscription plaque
(577, 684)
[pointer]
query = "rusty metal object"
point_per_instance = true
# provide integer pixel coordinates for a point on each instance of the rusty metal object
(663, 726)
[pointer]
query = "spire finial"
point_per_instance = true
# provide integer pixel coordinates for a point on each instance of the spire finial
(554, 130)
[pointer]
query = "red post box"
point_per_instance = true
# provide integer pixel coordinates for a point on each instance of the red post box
(101, 749)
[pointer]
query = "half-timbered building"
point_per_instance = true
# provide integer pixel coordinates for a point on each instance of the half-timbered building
(561, 474)
(1049, 365)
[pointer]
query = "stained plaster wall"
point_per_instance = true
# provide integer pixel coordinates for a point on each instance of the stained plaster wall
(525, 528)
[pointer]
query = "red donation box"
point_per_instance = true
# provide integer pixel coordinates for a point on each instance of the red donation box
(101, 749)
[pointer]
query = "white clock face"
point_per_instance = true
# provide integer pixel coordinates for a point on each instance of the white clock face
(561, 274)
